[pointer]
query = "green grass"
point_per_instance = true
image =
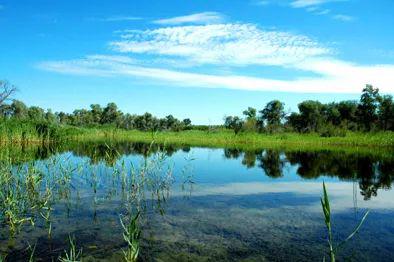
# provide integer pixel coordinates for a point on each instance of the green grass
(19, 132)
(226, 138)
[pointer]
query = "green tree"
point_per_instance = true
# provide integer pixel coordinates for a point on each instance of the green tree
(250, 113)
(36, 113)
(50, 116)
(251, 121)
(234, 122)
(273, 114)
(367, 108)
(386, 113)
(348, 114)
(187, 123)
(170, 122)
(110, 114)
(63, 118)
(310, 115)
(5, 111)
(19, 109)
(331, 113)
(96, 110)
(82, 117)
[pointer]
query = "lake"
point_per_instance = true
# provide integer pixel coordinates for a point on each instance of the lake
(196, 204)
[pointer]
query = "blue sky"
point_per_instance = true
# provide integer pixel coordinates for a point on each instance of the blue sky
(201, 59)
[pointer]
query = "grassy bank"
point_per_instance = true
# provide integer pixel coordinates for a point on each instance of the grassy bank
(15, 132)
(225, 138)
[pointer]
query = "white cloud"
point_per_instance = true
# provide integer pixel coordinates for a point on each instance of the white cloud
(231, 44)
(323, 12)
(345, 18)
(117, 18)
(261, 2)
(199, 18)
(336, 76)
(315, 7)
(309, 3)
(163, 53)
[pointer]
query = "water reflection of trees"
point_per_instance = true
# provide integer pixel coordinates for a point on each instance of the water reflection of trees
(372, 173)
(110, 153)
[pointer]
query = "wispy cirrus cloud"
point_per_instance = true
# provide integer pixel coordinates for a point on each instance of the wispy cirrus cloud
(198, 18)
(316, 7)
(344, 18)
(231, 44)
(309, 3)
(261, 2)
(227, 46)
(117, 18)
(335, 76)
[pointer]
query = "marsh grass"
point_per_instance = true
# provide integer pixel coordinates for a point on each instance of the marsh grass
(73, 254)
(248, 140)
(333, 248)
(131, 234)
(28, 192)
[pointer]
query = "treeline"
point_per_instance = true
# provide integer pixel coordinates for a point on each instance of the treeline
(372, 112)
(95, 116)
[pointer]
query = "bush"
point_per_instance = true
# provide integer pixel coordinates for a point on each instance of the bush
(332, 131)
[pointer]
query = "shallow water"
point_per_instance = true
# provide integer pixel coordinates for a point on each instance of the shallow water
(203, 204)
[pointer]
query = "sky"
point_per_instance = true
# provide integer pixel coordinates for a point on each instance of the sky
(200, 59)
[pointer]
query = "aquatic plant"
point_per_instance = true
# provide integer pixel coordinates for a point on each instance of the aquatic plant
(333, 249)
(32, 250)
(72, 255)
(131, 234)
(2, 257)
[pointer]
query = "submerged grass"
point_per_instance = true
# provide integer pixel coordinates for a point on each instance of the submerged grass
(73, 255)
(131, 235)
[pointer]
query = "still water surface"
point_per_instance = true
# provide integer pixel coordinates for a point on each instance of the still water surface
(206, 204)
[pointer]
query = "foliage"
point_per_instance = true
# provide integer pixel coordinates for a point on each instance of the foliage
(234, 122)
(367, 108)
(273, 114)
(131, 234)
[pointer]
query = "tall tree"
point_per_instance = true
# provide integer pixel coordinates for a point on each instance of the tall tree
(96, 111)
(367, 108)
(386, 113)
(348, 113)
(110, 114)
(311, 115)
(234, 122)
(19, 109)
(273, 113)
(36, 113)
(250, 113)
(50, 116)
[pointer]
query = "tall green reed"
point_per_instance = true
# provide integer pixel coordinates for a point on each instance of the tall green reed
(333, 248)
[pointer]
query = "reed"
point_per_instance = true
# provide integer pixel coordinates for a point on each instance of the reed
(73, 255)
(131, 234)
(333, 249)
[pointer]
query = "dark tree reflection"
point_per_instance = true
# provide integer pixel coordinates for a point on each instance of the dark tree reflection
(271, 163)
